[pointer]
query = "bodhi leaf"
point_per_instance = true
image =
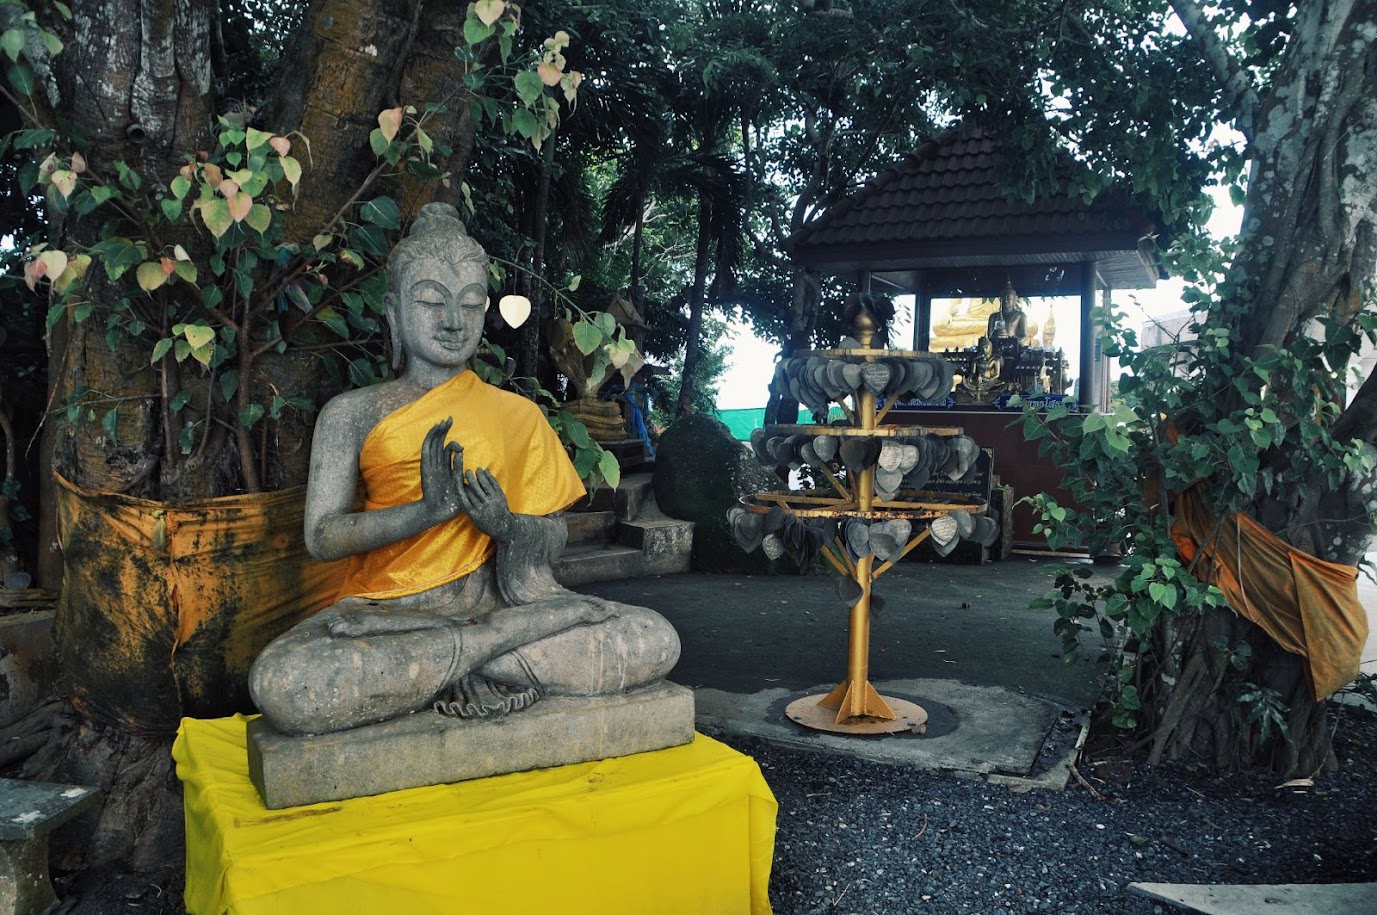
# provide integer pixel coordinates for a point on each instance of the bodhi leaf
(291, 169)
(150, 275)
(609, 468)
(216, 216)
(389, 122)
(587, 337)
(260, 217)
(515, 309)
(239, 204)
(64, 180)
(528, 86)
(489, 11)
(382, 212)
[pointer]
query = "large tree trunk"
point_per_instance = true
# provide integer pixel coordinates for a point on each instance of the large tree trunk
(1309, 247)
(1192, 707)
(138, 85)
(693, 346)
(142, 90)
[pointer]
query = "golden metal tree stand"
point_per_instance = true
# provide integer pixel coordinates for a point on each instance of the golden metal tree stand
(854, 706)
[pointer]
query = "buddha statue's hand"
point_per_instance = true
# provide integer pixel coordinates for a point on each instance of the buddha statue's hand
(486, 504)
(355, 624)
(442, 473)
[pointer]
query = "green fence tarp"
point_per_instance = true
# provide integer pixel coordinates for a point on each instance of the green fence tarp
(741, 422)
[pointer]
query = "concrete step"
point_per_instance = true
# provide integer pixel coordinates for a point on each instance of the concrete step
(627, 500)
(589, 528)
(666, 542)
(587, 564)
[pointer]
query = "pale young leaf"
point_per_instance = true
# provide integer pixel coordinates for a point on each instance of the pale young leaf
(168, 265)
(54, 262)
(633, 365)
(76, 269)
(198, 335)
(389, 122)
(239, 205)
(65, 181)
(515, 309)
(291, 169)
(78, 163)
(280, 145)
(150, 275)
(549, 74)
(260, 217)
(489, 11)
(180, 253)
(216, 216)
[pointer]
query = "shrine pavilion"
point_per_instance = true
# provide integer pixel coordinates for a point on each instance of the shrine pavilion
(942, 227)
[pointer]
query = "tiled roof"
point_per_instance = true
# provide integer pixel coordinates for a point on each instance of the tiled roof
(943, 205)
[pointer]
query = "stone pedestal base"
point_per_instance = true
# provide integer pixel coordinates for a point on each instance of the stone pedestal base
(430, 749)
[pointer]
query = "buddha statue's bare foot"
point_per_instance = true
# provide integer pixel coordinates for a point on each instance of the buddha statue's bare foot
(475, 696)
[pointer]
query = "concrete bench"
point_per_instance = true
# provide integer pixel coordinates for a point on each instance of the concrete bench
(28, 812)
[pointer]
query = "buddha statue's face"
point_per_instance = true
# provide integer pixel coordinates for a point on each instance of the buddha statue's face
(437, 313)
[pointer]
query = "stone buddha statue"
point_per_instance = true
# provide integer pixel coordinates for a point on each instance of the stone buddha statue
(450, 603)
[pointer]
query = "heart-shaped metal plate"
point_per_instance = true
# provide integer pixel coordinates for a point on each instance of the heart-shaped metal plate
(851, 371)
(943, 531)
(875, 376)
(858, 538)
(773, 546)
(891, 453)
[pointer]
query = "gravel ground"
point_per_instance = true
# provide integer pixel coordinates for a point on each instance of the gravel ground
(861, 837)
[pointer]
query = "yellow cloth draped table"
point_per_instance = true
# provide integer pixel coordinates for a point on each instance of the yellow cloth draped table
(689, 829)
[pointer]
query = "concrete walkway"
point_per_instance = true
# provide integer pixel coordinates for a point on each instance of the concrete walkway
(959, 640)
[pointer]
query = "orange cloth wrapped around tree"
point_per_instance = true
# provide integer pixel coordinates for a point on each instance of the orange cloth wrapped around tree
(498, 430)
(1308, 606)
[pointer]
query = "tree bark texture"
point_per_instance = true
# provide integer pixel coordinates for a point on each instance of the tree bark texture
(1192, 708)
(693, 346)
(1310, 217)
(1309, 249)
(1309, 239)
(138, 84)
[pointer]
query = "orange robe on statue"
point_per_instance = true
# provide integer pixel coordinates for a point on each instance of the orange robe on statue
(498, 430)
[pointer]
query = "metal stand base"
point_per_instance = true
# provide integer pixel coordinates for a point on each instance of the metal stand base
(909, 717)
